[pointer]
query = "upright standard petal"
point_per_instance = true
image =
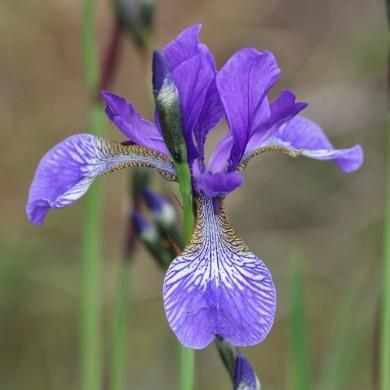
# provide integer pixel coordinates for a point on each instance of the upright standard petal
(217, 287)
(304, 137)
(243, 84)
(245, 377)
(130, 122)
(183, 47)
(193, 79)
(65, 173)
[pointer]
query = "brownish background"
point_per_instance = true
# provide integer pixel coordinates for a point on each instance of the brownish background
(332, 54)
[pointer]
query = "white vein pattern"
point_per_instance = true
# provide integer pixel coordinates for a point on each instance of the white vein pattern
(217, 286)
(66, 172)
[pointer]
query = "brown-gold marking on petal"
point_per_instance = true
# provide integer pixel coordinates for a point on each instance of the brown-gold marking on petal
(267, 148)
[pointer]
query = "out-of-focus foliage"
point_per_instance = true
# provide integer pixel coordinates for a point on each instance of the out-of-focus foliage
(332, 54)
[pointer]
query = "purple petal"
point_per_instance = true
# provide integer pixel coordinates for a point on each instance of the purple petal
(130, 122)
(307, 138)
(201, 105)
(65, 173)
(219, 158)
(217, 286)
(243, 84)
(245, 377)
(217, 184)
(183, 47)
(282, 110)
(210, 115)
(193, 78)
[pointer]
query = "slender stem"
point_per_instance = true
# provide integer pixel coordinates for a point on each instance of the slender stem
(186, 355)
(187, 368)
(90, 57)
(298, 333)
(91, 262)
(184, 179)
(384, 363)
(118, 351)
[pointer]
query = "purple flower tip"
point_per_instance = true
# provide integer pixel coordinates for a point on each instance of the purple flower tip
(245, 377)
(141, 224)
(160, 72)
(154, 201)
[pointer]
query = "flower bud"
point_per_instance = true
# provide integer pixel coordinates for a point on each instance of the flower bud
(245, 378)
(150, 237)
(166, 97)
(165, 216)
(162, 210)
(137, 19)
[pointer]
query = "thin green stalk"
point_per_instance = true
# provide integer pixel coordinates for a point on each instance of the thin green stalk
(91, 338)
(184, 179)
(118, 351)
(186, 355)
(384, 363)
(298, 333)
(91, 264)
(384, 353)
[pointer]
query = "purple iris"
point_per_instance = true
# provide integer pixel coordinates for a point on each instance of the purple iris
(216, 287)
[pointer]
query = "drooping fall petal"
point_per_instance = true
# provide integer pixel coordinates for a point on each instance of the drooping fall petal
(66, 172)
(217, 286)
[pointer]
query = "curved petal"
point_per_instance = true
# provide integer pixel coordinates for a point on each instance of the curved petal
(217, 287)
(193, 78)
(243, 84)
(130, 122)
(183, 47)
(300, 136)
(219, 159)
(65, 173)
(217, 184)
(282, 110)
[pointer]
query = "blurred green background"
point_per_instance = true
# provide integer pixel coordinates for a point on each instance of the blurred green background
(332, 54)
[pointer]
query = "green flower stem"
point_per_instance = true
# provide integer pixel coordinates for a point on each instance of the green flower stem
(118, 346)
(298, 333)
(186, 355)
(91, 262)
(384, 363)
(384, 354)
(184, 179)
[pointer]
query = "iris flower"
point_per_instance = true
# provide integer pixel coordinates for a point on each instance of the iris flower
(216, 287)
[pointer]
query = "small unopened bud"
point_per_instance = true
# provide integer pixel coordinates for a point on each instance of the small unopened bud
(162, 210)
(238, 366)
(245, 378)
(166, 97)
(165, 216)
(137, 18)
(150, 237)
(145, 230)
